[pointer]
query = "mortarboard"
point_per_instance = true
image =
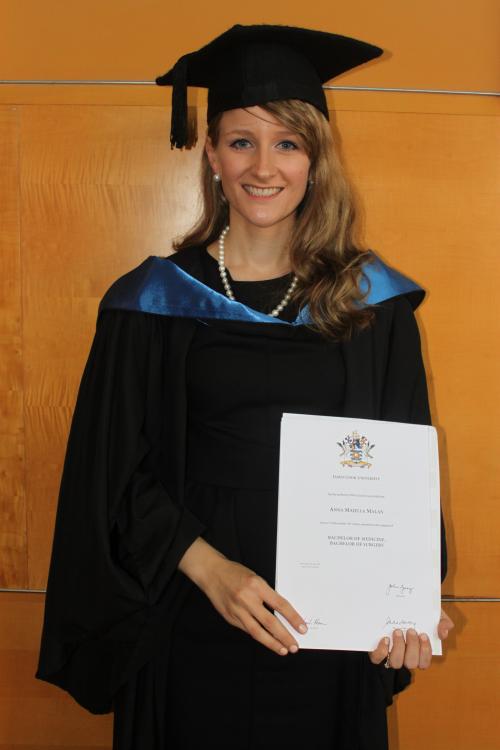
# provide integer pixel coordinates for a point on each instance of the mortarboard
(249, 65)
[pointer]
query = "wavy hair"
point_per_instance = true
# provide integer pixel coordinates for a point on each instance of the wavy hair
(324, 252)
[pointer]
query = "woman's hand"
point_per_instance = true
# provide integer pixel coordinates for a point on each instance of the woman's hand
(239, 595)
(415, 651)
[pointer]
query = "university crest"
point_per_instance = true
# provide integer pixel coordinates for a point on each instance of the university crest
(355, 450)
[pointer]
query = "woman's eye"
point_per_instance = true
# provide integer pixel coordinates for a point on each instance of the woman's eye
(241, 143)
(236, 144)
(289, 143)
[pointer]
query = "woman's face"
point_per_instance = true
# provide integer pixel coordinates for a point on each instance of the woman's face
(263, 166)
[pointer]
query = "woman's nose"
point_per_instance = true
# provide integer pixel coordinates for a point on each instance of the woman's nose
(264, 165)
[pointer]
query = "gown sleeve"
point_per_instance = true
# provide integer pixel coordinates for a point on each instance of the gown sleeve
(404, 398)
(119, 535)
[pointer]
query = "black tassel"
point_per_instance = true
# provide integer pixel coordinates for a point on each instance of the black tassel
(179, 123)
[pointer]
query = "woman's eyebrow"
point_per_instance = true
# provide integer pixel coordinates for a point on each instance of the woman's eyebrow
(251, 132)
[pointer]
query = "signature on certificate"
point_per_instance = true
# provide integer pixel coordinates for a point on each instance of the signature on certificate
(314, 622)
(400, 590)
(402, 624)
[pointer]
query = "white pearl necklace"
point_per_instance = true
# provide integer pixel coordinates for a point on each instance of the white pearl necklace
(227, 287)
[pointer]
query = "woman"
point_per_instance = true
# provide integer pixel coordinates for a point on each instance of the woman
(161, 589)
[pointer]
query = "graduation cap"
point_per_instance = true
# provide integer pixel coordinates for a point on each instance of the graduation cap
(249, 65)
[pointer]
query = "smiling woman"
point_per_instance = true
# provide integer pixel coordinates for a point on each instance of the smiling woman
(164, 609)
(308, 222)
(255, 169)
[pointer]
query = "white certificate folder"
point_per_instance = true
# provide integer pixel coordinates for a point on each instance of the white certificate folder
(358, 542)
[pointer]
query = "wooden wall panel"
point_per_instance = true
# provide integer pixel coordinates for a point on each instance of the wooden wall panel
(34, 714)
(431, 44)
(430, 185)
(13, 550)
(454, 705)
(101, 190)
(87, 192)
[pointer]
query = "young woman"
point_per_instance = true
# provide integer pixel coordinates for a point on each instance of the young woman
(161, 592)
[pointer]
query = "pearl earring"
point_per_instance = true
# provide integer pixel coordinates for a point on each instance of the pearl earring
(216, 177)
(311, 182)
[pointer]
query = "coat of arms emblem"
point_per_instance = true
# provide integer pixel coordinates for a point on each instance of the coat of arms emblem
(355, 450)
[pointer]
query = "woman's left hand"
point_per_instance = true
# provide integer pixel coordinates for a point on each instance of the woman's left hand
(413, 652)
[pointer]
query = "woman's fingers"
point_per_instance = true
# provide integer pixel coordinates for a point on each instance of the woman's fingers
(425, 657)
(412, 650)
(381, 652)
(276, 629)
(283, 606)
(265, 593)
(239, 595)
(445, 625)
(260, 634)
(397, 654)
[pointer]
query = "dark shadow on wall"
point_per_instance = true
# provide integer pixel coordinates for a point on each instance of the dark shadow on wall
(393, 725)
(444, 467)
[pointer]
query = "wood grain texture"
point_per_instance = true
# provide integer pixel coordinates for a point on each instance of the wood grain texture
(337, 101)
(454, 704)
(429, 44)
(13, 547)
(87, 192)
(430, 185)
(34, 714)
(101, 190)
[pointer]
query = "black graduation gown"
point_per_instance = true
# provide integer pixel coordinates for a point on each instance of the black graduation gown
(114, 591)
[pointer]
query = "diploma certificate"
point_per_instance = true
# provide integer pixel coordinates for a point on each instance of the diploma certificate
(358, 542)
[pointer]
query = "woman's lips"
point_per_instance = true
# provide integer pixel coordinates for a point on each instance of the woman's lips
(262, 197)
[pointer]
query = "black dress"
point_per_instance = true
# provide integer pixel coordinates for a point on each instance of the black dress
(241, 377)
(175, 435)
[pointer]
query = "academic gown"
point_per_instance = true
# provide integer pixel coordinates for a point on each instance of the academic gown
(126, 512)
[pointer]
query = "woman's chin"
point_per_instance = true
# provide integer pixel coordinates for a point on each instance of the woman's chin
(262, 218)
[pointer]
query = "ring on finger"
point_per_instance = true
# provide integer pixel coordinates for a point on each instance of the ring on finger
(387, 663)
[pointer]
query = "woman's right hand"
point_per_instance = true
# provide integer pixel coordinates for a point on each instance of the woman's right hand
(239, 595)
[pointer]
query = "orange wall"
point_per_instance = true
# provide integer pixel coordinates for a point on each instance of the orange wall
(89, 187)
(430, 44)
(441, 44)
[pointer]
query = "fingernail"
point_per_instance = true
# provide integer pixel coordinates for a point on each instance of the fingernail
(398, 632)
(283, 651)
(303, 628)
(294, 649)
(423, 638)
(412, 632)
(386, 641)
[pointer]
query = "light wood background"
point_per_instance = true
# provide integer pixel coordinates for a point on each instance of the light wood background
(89, 187)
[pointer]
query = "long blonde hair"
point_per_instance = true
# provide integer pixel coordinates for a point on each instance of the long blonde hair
(324, 253)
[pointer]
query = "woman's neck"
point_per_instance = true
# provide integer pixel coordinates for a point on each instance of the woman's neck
(252, 253)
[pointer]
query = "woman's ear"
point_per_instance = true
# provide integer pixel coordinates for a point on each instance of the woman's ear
(211, 154)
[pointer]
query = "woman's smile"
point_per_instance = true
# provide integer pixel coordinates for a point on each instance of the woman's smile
(259, 160)
(262, 193)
